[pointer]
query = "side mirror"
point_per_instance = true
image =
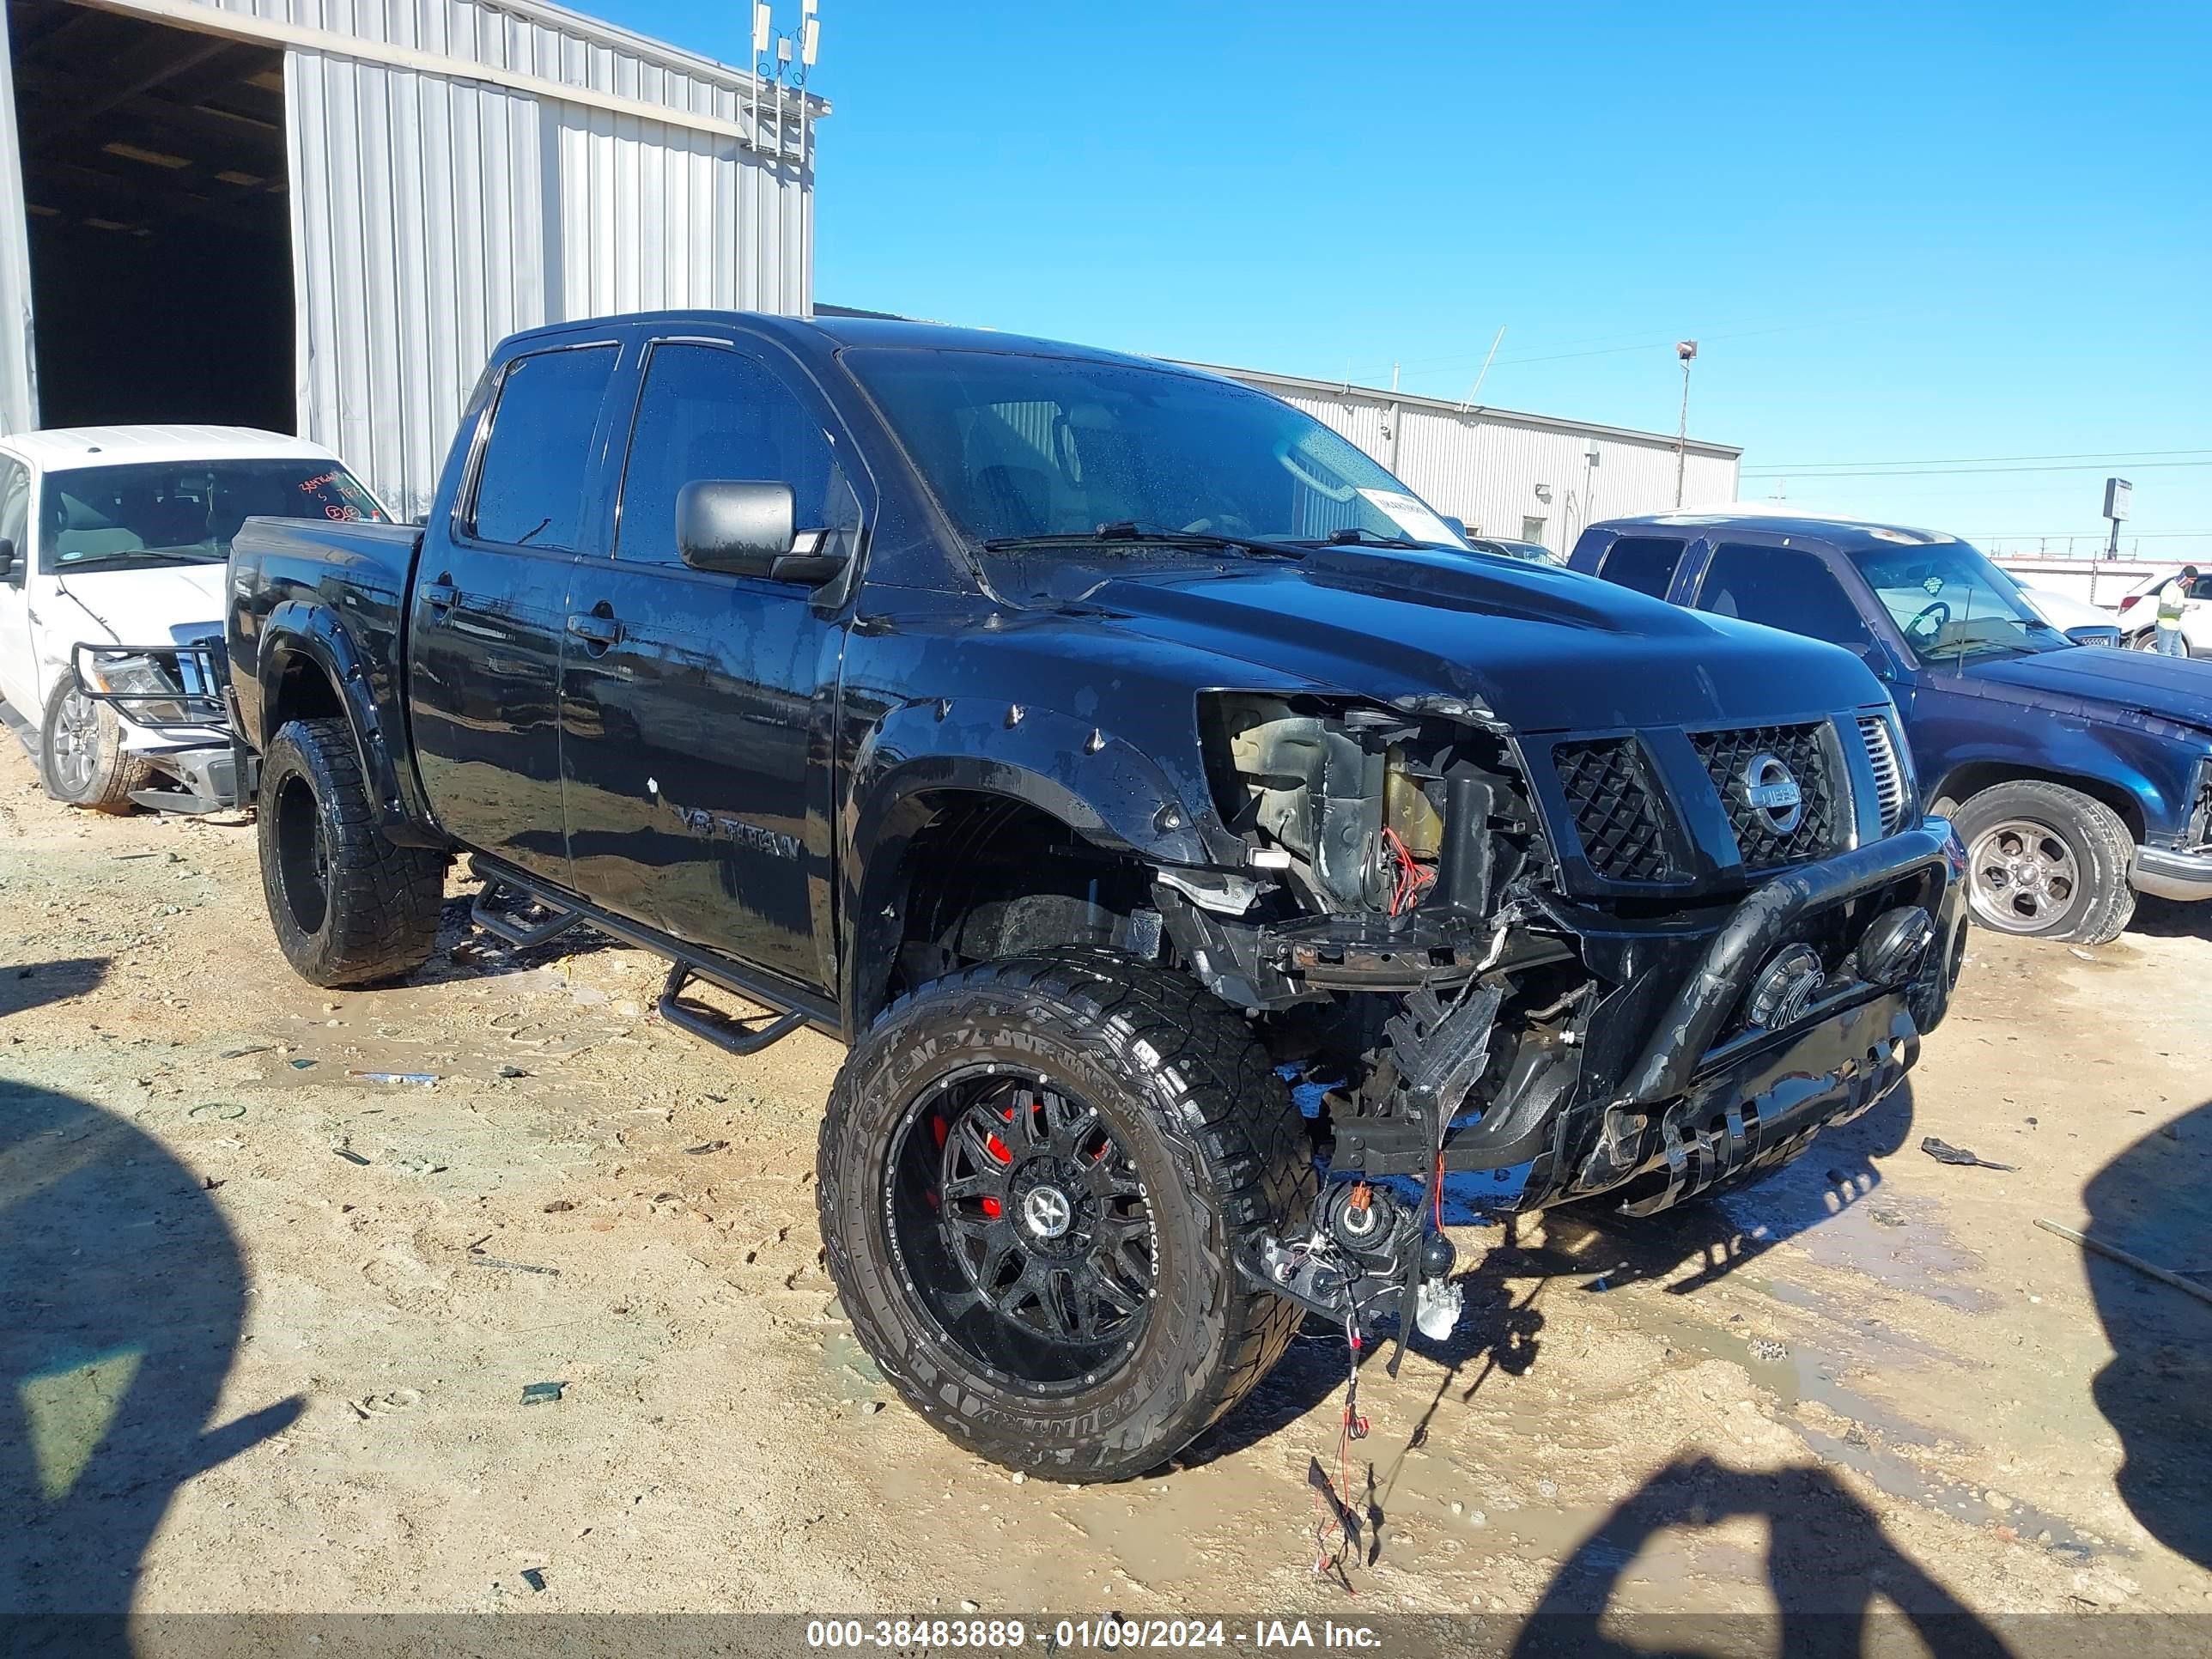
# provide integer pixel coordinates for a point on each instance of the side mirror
(7, 556)
(745, 528)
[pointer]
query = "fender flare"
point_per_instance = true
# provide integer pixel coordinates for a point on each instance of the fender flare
(2118, 780)
(1103, 788)
(296, 630)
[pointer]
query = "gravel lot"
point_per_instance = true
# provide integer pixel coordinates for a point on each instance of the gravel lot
(270, 1325)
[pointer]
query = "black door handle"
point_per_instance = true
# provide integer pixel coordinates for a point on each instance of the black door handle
(440, 595)
(596, 628)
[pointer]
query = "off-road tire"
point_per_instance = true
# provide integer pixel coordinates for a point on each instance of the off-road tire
(2102, 850)
(1213, 1134)
(116, 773)
(371, 913)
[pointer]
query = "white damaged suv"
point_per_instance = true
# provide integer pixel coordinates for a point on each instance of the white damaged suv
(113, 540)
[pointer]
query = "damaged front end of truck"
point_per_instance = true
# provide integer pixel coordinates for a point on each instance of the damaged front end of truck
(1641, 963)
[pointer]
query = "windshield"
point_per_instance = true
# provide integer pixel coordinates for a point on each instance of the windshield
(1952, 605)
(183, 512)
(1019, 448)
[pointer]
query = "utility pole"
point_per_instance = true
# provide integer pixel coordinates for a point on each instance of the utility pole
(1688, 351)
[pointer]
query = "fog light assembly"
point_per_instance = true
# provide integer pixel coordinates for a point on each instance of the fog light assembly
(1894, 945)
(1785, 987)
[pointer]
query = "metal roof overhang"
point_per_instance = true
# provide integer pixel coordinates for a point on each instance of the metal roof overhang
(186, 13)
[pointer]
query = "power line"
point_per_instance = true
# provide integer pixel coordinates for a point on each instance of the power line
(1950, 471)
(2097, 535)
(2116, 455)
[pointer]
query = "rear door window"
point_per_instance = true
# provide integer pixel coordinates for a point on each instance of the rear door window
(1781, 588)
(1645, 564)
(538, 460)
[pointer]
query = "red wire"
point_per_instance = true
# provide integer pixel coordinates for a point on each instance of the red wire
(1413, 879)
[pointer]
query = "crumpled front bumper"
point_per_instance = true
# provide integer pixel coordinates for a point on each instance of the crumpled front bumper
(1701, 1103)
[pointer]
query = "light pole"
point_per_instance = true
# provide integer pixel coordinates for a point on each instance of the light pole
(1688, 351)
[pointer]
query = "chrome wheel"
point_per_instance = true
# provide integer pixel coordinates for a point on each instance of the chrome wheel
(2021, 877)
(74, 745)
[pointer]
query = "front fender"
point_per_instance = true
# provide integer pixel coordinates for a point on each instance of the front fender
(2156, 774)
(298, 630)
(1101, 786)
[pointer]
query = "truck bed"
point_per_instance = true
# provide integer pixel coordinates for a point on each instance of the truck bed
(364, 570)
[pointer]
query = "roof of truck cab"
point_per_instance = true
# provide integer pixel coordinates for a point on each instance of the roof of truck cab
(1846, 535)
(120, 445)
(837, 332)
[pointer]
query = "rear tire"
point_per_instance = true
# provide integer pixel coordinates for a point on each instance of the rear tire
(1133, 1135)
(2044, 861)
(82, 759)
(348, 906)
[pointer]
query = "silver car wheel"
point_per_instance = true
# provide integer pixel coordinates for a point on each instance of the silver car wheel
(2021, 876)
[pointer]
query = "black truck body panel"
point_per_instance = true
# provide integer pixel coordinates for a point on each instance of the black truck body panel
(739, 773)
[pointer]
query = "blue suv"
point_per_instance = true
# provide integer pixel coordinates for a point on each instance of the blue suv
(2077, 777)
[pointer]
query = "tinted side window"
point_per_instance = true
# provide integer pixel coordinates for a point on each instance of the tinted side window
(708, 412)
(1645, 564)
(530, 486)
(1781, 589)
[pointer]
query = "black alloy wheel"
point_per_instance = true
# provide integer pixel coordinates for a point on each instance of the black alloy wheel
(1021, 1223)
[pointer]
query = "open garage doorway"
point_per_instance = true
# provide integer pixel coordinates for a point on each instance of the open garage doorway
(154, 191)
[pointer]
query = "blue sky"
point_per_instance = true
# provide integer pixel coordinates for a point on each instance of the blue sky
(1955, 233)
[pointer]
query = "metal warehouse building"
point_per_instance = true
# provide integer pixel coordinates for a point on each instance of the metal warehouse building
(1526, 477)
(318, 216)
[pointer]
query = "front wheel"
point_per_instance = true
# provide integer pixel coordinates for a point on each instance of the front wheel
(82, 759)
(348, 906)
(1034, 1177)
(2046, 862)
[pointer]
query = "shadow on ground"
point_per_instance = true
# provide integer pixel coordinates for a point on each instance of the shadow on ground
(2165, 918)
(1832, 1568)
(32, 984)
(2155, 1202)
(122, 1295)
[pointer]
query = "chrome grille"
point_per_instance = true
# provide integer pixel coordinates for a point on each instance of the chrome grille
(1726, 755)
(1616, 812)
(1888, 775)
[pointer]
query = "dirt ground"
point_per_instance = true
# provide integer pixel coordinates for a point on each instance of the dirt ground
(270, 1325)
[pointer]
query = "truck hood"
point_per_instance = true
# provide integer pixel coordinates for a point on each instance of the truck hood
(2173, 687)
(1545, 649)
(139, 607)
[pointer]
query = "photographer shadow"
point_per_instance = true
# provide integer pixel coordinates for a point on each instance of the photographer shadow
(122, 1302)
(1829, 1565)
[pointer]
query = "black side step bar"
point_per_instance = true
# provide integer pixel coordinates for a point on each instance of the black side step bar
(724, 1033)
(513, 932)
(793, 1005)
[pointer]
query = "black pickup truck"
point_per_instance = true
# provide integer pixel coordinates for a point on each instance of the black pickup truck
(1094, 747)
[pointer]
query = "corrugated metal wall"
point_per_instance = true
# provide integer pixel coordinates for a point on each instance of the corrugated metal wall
(433, 213)
(19, 401)
(1485, 467)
